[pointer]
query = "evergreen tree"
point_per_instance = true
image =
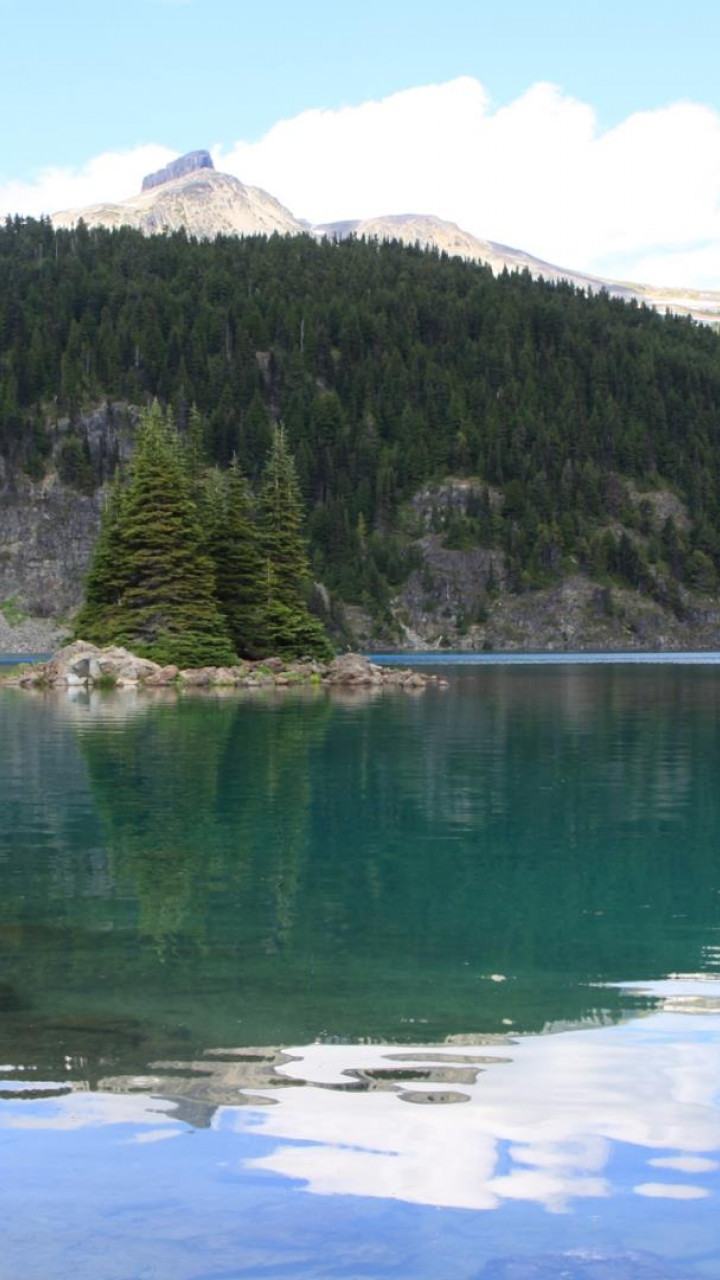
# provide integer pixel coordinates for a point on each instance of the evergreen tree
(290, 628)
(153, 561)
(281, 517)
(234, 547)
(196, 451)
(106, 576)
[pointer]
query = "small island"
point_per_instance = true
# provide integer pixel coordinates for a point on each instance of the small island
(82, 664)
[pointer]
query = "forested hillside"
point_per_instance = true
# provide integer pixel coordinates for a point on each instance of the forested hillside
(389, 367)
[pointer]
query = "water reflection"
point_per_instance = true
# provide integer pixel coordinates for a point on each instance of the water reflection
(295, 866)
(403, 888)
(585, 1147)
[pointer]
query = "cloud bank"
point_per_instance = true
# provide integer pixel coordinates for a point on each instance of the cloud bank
(640, 201)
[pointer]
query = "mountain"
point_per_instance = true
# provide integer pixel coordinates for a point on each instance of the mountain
(190, 193)
(447, 237)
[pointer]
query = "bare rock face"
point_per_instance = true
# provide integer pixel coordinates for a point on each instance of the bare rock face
(48, 528)
(188, 163)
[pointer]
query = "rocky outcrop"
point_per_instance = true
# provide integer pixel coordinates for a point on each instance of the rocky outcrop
(88, 665)
(189, 163)
(81, 663)
(48, 527)
(575, 614)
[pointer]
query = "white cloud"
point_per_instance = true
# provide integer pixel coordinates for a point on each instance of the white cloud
(108, 177)
(640, 201)
(540, 1122)
(671, 1191)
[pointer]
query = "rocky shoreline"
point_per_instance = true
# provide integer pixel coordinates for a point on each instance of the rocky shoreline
(83, 665)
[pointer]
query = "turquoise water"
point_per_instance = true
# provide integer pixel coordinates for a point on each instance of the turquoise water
(409, 985)
(12, 659)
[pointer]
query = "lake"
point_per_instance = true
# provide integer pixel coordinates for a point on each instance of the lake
(323, 984)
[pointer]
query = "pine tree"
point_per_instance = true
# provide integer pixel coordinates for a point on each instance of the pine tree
(233, 544)
(290, 628)
(196, 448)
(152, 586)
(106, 576)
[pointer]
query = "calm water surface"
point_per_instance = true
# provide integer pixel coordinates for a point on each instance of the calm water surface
(349, 986)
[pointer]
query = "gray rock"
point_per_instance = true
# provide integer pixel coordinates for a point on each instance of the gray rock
(197, 677)
(188, 163)
(162, 678)
(81, 663)
(350, 668)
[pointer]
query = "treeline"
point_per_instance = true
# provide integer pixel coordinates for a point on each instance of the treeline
(388, 366)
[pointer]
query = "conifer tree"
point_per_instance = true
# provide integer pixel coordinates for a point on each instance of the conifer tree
(106, 576)
(153, 587)
(233, 544)
(195, 449)
(290, 628)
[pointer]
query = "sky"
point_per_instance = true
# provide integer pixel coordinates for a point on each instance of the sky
(584, 131)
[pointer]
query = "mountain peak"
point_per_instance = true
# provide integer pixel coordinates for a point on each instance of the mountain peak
(188, 163)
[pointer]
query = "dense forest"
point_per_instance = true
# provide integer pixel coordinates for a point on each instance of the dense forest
(389, 366)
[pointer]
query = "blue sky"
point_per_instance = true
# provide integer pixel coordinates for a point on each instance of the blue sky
(585, 131)
(87, 76)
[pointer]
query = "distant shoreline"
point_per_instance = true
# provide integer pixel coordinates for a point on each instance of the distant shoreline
(460, 657)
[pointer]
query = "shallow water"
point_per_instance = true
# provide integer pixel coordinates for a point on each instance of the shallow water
(403, 968)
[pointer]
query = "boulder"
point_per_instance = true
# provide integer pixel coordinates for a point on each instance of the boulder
(81, 663)
(351, 668)
(162, 678)
(198, 677)
(72, 659)
(272, 664)
(414, 681)
(225, 676)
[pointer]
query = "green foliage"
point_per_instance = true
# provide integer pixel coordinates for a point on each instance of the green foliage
(389, 367)
(288, 626)
(151, 585)
(233, 544)
(74, 465)
(11, 612)
(192, 580)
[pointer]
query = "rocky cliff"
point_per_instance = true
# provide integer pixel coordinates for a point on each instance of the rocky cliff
(454, 598)
(48, 529)
(459, 598)
(189, 163)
